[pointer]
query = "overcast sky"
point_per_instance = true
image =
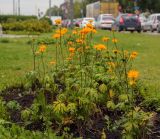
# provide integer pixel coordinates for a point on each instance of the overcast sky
(28, 7)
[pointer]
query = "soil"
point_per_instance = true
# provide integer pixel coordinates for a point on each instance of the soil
(26, 97)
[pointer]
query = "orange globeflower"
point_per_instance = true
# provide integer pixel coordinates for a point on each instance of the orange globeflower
(133, 55)
(105, 39)
(69, 58)
(133, 74)
(61, 31)
(94, 30)
(91, 21)
(74, 32)
(42, 48)
(85, 30)
(70, 43)
(100, 47)
(114, 40)
(71, 50)
(58, 21)
(52, 62)
(89, 26)
(79, 41)
(56, 36)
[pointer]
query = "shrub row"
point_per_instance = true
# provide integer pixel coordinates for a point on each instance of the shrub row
(28, 25)
(10, 18)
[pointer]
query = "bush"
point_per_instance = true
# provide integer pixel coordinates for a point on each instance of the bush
(28, 25)
(10, 18)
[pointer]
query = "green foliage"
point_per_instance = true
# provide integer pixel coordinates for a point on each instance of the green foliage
(13, 105)
(3, 110)
(15, 132)
(28, 25)
(13, 18)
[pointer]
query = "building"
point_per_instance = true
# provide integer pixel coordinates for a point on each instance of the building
(102, 7)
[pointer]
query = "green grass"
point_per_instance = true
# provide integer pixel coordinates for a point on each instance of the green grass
(16, 57)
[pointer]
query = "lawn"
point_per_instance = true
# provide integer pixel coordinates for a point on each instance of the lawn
(16, 56)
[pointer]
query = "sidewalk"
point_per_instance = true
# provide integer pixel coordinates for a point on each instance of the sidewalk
(16, 36)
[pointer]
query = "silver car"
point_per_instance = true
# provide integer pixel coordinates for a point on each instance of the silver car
(152, 23)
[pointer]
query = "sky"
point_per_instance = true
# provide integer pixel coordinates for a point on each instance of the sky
(28, 7)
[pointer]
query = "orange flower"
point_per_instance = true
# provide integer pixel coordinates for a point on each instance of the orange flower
(85, 30)
(74, 32)
(69, 58)
(114, 40)
(100, 47)
(90, 21)
(105, 39)
(71, 50)
(61, 31)
(87, 47)
(89, 26)
(42, 48)
(133, 55)
(79, 41)
(70, 43)
(94, 30)
(133, 74)
(58, 21)
(52, 62)
(80, 49)
(56, 36)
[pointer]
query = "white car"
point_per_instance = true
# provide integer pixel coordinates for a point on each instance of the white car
(143, 20)
(152, 23)
(87, 20)
(105, 21)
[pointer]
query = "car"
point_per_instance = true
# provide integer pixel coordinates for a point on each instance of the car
(87, 20)
(152, 23)
(158, 27)
(78, 21)
(105, 21)
(127, 22)
(143, 20)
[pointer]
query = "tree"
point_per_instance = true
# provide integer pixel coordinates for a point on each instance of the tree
(54, 11)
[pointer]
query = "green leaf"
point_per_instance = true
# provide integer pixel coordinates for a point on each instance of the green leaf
(59, 107)
(103, 88)
(111, 105)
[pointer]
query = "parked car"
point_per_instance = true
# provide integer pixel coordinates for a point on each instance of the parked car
(152, 23)
(66, 23)
(127, 22)
(158, 27)
(143, 20)
(105, 21)
(86, 20)
(78, 21)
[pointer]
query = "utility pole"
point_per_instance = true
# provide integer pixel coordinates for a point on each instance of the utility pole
(71, 12)
(13, 7)
(19, 8)
(50, 4)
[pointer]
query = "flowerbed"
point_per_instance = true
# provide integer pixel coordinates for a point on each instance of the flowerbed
(92, 91)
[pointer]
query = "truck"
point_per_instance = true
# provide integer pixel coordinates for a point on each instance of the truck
(104, 7)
